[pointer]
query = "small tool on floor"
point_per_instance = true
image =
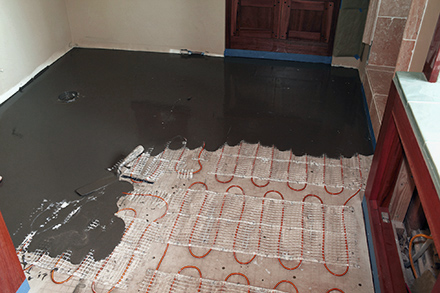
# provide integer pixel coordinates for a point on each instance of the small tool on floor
(115, 169)
(186, 52)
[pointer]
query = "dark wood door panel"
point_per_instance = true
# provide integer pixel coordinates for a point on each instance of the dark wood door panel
(310, 20)
(257, 19)
(292, 26)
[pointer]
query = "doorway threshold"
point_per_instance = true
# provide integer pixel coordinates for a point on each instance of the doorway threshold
(278, 56)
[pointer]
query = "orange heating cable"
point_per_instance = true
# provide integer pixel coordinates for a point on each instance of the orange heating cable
(279, 243)
(132, 170)
(237, 274)
(218, 223)
(137, 246)
(108, 257)
(195, 225)
(335, 289)
(259, 229)
(346, 248)
(237, 186)
(157, 268)
(41, 256)
(279, 240)
(360, 180)
(345, 230)
(160, 163)
(235, 168)
(253, 167)
(178, 160)
(236, 233)
(24, 245)
(279, 237)
(285, 281)
(70, 277)
(275, 191)
(323, 237)
(410, 249)
(188, 267)
(302, 232)
(346, 241)
(198, 160)
(307, 174)
(172, 231)
(360, 187)
(342, 178)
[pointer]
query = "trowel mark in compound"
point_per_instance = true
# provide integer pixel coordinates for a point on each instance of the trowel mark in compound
(93, 225)
(58, 206)
(71, 214)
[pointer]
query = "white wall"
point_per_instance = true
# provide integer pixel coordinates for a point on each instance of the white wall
(149, 25)
(33, 34)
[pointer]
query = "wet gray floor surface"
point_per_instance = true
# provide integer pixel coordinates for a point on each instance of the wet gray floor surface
(49, 148)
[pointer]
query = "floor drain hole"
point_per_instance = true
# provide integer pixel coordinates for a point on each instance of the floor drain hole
(68, 97)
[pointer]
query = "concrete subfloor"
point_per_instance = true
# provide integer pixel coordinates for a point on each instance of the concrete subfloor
(49, 148)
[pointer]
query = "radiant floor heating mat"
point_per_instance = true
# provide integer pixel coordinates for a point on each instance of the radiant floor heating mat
(245, 218)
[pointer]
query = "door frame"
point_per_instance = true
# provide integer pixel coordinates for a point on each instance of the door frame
(285, 46)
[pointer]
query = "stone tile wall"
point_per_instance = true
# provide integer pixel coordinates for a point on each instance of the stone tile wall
(391, 31)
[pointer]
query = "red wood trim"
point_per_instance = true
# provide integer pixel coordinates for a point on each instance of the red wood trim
(234, 16)
(327, 21)
(396, 135)
(381, 180)
(228, 32)
(425, 186)
(388, 262)
(255, 33)
(432, 64)
(388, 157)
(257, 3)
(436, 286)
(277, 19)
(305, 35)
(397, 281)
(284, 19)
(308, 5)
(11, 273)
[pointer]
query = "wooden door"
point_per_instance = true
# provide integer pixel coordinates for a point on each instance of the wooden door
(287, 26)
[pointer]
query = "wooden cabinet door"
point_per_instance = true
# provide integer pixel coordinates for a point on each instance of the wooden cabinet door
(288, 26)
(255, 18)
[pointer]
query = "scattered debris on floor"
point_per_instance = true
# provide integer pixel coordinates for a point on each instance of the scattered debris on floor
(68, 96)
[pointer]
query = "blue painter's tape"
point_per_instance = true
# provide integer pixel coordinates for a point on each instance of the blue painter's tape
(373, 262)
(24, 288)
(370, 125)
(278, 56)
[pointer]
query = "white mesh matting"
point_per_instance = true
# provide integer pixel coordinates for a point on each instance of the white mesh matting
(247, 202)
